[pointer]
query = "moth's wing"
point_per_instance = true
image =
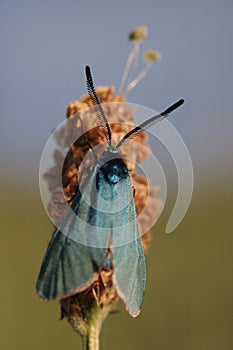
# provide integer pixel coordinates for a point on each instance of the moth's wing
(72, 262)
(68, 267)
(128, 259)
(130, 275)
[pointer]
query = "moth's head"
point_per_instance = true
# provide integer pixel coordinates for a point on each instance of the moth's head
(113, 167)
(112, 149)
(109, 154)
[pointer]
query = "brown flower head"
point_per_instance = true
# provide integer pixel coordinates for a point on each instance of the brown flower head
(121, 119)
(102, 293)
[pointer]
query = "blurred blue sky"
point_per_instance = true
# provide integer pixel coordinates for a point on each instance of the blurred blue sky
(46, 44)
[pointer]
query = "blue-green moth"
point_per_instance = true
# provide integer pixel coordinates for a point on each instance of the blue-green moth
(100, 228)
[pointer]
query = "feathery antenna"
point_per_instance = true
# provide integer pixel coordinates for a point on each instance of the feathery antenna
(153, 120)
(97, 106)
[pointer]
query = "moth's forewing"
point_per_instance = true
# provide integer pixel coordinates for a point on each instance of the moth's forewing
(101, 215)
(130, 275)
(67, 268)
(128, 258)
(72, 259)
(126, 243)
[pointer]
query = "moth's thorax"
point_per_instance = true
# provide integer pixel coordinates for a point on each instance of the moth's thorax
(112, 167)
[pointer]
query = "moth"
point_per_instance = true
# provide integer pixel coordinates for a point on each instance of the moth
(100, 228)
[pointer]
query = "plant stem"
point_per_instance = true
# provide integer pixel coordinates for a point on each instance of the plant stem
(133, 54)
(91, 337)
(87, 310)
(139, 77)
(91, 340)
(132, 68)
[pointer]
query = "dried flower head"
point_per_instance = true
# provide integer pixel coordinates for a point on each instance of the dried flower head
(152, 56)
(121, 120)
(138, 34)
(101, 294)
(129, 79)
(92, 305)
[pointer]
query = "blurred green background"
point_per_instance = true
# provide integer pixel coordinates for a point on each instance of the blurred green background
(188, 302)
(45, 46)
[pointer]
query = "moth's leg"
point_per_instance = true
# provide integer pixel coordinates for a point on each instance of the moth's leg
(134, 190)
(96, 290)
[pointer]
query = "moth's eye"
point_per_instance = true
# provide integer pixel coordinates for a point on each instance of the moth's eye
(115, 168)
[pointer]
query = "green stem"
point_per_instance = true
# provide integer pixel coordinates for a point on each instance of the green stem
(86, 315)
(91, 339)
(91, 335)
